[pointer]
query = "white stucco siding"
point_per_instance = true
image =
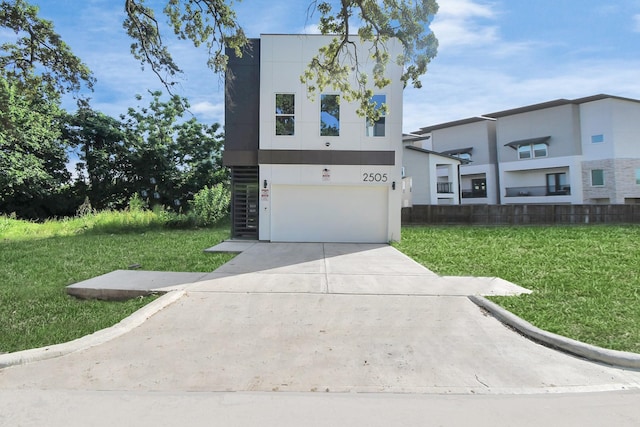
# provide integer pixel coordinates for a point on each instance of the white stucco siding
(336, 213)
(332, 202)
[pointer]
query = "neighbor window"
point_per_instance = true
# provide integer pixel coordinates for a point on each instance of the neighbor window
(597, 139)
(377, 127)
(638, 176)
(528, 151)
(462, 156)
(557, 184)
(597, 177)
(285, 113)
(330, 115)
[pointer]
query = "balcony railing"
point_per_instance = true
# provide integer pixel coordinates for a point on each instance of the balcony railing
(445, 187)
(539, 191)
(471, 194)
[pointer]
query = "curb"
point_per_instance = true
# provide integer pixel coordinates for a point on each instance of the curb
(620, 359)
(99, 337)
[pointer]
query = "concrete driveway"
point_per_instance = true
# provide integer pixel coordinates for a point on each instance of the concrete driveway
(320, 318)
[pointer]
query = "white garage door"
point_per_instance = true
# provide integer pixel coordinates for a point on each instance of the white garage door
(329, 213)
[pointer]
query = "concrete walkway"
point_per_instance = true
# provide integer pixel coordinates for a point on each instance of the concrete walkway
(314, 326)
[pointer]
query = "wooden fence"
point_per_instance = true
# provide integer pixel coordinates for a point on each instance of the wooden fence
(521, 214)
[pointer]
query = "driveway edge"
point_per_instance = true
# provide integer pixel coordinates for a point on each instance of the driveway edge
(620, 359)
(99, 337)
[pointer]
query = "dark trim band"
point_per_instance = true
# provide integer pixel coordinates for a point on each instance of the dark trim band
(326, 157)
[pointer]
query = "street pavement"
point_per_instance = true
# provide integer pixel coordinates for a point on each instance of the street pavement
(318, 334)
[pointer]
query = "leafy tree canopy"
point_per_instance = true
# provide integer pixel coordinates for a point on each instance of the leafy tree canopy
(38, 56)
(213, 23)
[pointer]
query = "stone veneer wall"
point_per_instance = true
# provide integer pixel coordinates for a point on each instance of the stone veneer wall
(619, 180)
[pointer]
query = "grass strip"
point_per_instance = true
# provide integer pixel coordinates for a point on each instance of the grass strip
(39, 260)
(586, 279)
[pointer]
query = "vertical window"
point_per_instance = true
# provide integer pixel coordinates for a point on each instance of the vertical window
(330, 115)
(638, 176)
(597, 139)
(597, 177)
(285, 113)
(377, 127)
(557, 184)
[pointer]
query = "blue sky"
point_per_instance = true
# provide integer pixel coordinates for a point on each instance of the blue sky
(493, 55)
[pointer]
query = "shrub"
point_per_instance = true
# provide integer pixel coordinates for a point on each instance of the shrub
(210, 205)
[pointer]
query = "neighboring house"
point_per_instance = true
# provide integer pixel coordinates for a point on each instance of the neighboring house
(432, 178)
(472, 140)
(581, 151)
(308, 168)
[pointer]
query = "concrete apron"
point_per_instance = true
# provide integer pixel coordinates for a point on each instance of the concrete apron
(324, 318)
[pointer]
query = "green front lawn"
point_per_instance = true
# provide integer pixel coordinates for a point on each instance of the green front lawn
(586, 279)
(39, 260)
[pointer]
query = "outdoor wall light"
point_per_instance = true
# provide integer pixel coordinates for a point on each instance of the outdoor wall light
(393, 185)
(327, 144)
(264, 184)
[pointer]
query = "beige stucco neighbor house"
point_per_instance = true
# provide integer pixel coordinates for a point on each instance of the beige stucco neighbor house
(580, 151)
(308, 168)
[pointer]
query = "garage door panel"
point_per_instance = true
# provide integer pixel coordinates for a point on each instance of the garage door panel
(329, 214)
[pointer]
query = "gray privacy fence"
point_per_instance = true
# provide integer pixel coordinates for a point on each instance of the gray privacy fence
(521, 214)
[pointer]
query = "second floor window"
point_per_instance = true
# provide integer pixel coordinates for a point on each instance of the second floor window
(377, 127)
(330, 115)
(285, 113)
(530, 151)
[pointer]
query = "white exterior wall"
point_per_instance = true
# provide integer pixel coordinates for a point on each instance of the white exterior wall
(424, 169)
(489, 173)
(283, 60)
(532, 173)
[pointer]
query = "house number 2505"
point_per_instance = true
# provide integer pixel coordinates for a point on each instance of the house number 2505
(374, 177)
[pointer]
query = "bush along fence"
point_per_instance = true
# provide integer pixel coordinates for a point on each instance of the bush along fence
(521, 214)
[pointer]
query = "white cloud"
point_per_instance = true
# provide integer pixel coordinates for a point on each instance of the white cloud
(453, 93)
(208, 111)
(456, 24)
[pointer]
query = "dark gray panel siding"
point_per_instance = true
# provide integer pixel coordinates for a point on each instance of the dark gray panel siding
(326, 157)
(242, 107)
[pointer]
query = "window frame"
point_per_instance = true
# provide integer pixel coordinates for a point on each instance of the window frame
(601, 171)
(560, 188)
(281, 115)
(530, 150)
(638, 176)
(381, 122)
(323, 131)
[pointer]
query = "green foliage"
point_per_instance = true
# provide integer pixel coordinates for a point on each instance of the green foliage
(104, 169)
(584, 278)
(379, 22)
(39, 259)
(38, 57)
(211, 23)
(32, 159)
(210, 205)
(171, 160)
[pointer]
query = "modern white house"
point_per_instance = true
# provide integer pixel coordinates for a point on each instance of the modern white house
(430, 178)
(581, 151)
(305, 167)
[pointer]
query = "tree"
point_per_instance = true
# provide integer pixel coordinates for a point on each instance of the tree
(32, 158)
(38, 57)
(35, 70)
(104, 157)
(171, 159)
(214, 24)
(378, 22)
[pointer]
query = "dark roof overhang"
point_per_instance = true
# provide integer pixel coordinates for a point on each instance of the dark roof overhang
(467, 150)
(529, 141)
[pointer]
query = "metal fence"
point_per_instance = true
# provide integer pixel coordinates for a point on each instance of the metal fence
(520, 214)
